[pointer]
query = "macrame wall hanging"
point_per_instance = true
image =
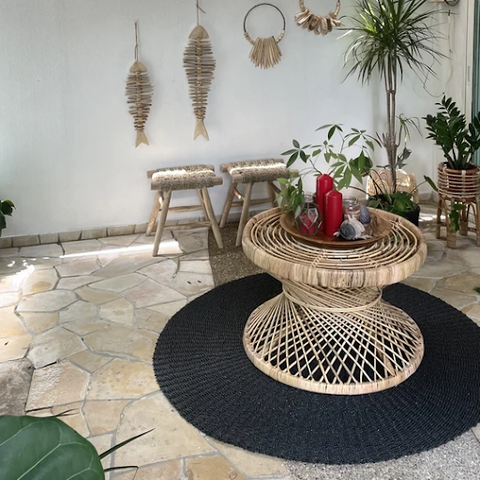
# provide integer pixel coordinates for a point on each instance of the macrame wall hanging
(265, 52)
(199, 64)
(316, 24)
(139, 94)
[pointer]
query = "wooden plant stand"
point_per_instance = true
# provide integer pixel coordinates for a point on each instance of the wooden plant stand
(329, 331)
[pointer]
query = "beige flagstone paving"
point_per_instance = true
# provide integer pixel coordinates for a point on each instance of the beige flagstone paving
(89, 322)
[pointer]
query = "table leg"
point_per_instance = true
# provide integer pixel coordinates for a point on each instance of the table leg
(344, 342)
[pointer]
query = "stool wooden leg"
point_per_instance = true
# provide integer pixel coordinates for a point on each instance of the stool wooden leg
(161, 222)
(244, 217)
(202, 203)
(228, 204)
(154, 214)
(211, 216)
(464, 220)
(439, 217)
(273, 194)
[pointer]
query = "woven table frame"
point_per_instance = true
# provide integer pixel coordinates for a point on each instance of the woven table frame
(329, 331)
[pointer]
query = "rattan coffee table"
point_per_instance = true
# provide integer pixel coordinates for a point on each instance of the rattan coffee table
(329, 331)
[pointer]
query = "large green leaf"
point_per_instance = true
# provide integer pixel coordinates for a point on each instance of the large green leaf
(34, 448)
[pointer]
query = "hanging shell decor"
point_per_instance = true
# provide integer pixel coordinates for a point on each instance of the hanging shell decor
(139, 92)
(317, 24)
(199, 64)
(265, 52)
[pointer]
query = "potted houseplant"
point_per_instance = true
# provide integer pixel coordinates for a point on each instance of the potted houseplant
(458, 178)
(6, 208)
(391, 36)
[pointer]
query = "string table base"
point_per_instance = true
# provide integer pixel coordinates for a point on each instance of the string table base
(334, 341)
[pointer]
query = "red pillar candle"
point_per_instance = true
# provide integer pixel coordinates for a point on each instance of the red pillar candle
(333, 212)
(324, 185)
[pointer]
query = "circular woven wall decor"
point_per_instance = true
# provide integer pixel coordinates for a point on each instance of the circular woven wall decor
(265, 52)
(315, 23)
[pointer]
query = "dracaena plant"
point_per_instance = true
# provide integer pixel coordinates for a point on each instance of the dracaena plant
(449, 129)
(390, 37)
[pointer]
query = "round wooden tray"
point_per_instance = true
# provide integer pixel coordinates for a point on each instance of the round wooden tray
(287, 221)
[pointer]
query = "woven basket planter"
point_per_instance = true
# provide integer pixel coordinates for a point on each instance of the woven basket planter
(461, 185)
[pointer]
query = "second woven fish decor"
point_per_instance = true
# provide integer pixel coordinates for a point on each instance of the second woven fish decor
(199, 64)
(139, 94)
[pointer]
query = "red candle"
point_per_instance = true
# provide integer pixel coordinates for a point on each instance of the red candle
(333, 212)
(324, 185)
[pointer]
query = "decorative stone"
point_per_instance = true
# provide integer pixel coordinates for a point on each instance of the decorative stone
(103, 416)
(122, 340)
(14, 348)
(10, 298)
(155, 412)
(148, 320)
(40, 281)
(151, 293)
(15, 380)
(93, 233)
(82, 246)
(251, 464)
(47, 301)
(435, 269)
(9, 252)
(119, 284)
(140, 228)
(6, 242)
(116, 233)
(192, 283)
(466, 283)
(81, 318)
(118, 311)
(10, 324)
(72, 283)
(207, 468)
(192, 241)
(54, 345)
(42, 251)
(126, 264)
(456, 299)
(161, 272)
(69, 236)
(89, 361)
(96, 296)
(122, 379)
(195, 266)
(48, 238)
(162, 471)
(57, 385)
(13, 283)
(425, 284)
(78, 267)
(40, 322)
(25, 240)
(169, 309)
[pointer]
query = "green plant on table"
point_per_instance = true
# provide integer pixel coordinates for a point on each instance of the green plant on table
(348, 156)
(6, 208)
(449, 129)
(291, 196)
(45, 448)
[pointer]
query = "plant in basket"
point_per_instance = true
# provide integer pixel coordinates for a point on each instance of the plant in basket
(458, 184)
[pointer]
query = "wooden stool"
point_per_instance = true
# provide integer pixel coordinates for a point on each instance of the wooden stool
(165, 180)
(251, 172)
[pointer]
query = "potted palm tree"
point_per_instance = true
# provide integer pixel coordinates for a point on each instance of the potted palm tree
(458, 178)
(6, 208)
(390, 37)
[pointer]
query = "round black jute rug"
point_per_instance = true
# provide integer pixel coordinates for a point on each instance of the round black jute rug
(203, 370)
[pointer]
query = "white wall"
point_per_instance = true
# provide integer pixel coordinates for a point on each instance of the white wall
(67, 156)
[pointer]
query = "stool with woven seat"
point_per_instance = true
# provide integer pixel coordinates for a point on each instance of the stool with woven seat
(192, 177)
(251, 172)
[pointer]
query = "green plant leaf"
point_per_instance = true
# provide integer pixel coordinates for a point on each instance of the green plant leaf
(431, 183)
(34, 448)
(288, 152)
(296, 144)
(125, 442)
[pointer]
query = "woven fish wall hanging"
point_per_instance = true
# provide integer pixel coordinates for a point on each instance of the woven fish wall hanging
(199, 65)
(318, 24)
(139, 92)
(265, 52)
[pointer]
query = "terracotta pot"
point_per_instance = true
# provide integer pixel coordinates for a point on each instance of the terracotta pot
(461, 185)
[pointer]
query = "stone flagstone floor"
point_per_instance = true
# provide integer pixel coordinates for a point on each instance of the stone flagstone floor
(87, 315)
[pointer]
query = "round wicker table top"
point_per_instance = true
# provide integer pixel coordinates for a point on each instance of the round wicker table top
(388, 261)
